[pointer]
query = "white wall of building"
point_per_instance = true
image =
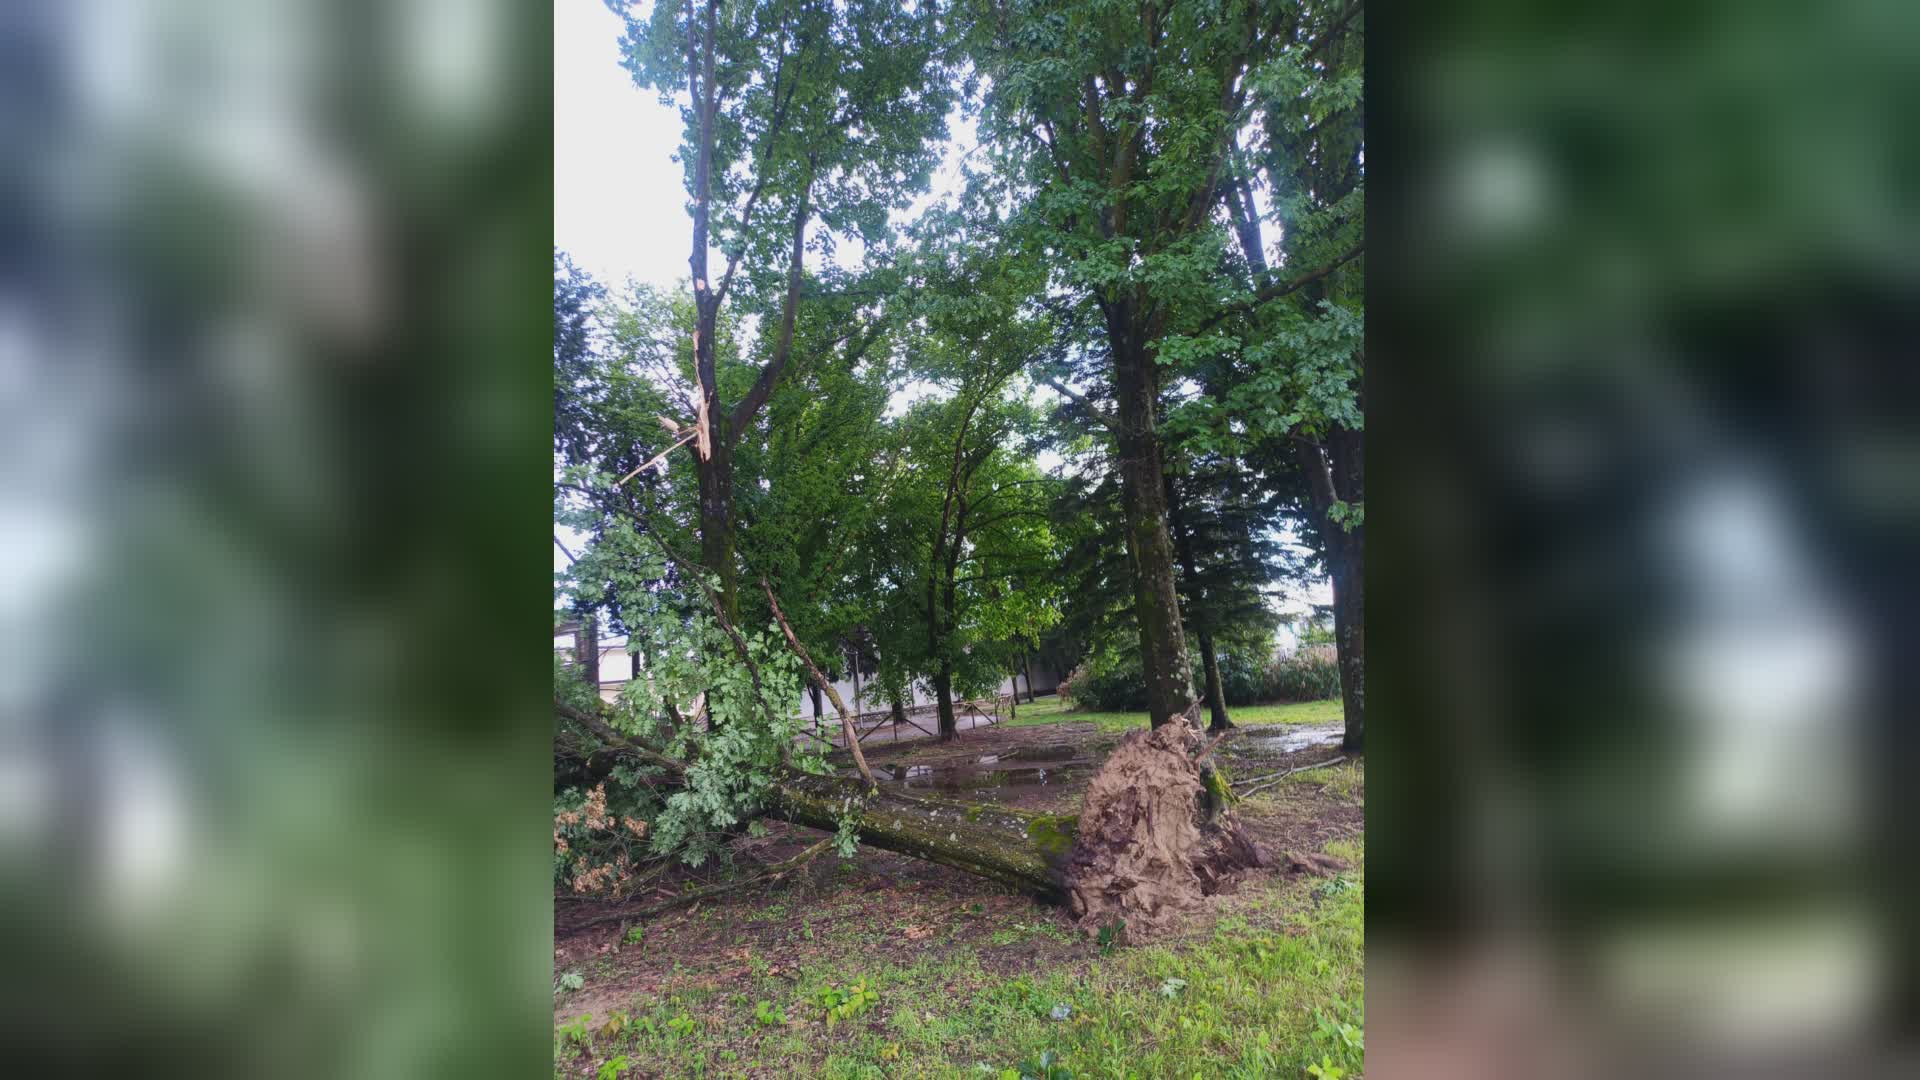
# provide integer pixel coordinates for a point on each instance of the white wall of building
(616, 669)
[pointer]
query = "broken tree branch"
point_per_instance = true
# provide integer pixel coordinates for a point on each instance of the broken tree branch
(1260, 782)
(657, 458)
(1080, 399)
(771, 873)
(1280, 289)
(839, 706)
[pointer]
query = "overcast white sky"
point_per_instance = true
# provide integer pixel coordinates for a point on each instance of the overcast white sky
(618, 203)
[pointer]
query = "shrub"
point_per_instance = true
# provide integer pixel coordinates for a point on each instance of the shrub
(1107, 682)
(1242, 679)
(1307, 674)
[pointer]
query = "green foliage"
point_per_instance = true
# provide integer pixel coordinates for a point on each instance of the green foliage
(846, 1002)
(614, 1067)
(959, 570)
(1243, 678)
(766, 1014)
(1307, 674)
(574, 1032)
(837, 104)
(689, 663)
(1043, 1066)
(568, 982)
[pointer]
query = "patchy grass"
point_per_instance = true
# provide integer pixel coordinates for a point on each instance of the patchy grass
(1272, 988)
(886, 966)
(1051, 710)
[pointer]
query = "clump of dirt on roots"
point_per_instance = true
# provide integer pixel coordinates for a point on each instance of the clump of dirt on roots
(1147, 847)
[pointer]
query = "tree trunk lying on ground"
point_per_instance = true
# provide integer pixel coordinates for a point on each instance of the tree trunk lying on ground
(1024, 850)
(1153, 836)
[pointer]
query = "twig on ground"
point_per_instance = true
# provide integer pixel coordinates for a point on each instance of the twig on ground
(1271, 779)
(771, 873)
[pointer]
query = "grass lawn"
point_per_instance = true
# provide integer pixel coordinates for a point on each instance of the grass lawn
(1274, 987)
(1049, 710)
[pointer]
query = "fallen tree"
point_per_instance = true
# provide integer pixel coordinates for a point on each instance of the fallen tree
(1153, 837)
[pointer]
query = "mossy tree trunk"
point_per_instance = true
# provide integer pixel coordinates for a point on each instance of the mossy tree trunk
(1023, 850)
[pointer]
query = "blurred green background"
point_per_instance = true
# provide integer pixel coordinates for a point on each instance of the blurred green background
(273, 414)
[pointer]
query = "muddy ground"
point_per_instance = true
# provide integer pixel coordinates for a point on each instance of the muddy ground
(880, 906)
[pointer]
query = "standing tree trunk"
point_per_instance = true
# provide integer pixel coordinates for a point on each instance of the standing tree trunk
(943, 696)
(899, 710)
(1163, 643)
(1216, 693)
(1026, 662)
(1335, 474)
(715, 471)
(587, 651)
(814, 692)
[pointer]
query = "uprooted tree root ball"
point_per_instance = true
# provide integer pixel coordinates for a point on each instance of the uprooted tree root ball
(1150, 844)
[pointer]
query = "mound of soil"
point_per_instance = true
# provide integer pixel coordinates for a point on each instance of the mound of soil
(1148, 846)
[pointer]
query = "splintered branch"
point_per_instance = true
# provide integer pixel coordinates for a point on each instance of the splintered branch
(657, 458)
(813, 670)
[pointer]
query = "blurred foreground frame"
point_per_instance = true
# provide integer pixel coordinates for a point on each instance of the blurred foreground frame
(273, 408)
(1645, 480)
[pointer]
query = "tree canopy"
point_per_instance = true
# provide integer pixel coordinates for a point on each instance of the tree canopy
(1068, 407)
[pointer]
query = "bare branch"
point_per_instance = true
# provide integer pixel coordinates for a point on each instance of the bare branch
(1092, 409)
(657, 458)
(770, 374)
(839, 706)
(1283, 288)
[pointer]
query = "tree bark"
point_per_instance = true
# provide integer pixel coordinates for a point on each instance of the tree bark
(899, 710)
(814, 692)
(1163, 643)
(587, 650)
(1335, 472)
(715, 471)
(1349, 631)
(943, 697)
(1216, 694)
(1025, 851)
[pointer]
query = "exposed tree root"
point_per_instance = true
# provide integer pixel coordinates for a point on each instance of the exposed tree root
(1151, 843)
(1153, 839)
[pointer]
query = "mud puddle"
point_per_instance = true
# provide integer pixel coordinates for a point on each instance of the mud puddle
(1024, 767)
(1287, 740)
